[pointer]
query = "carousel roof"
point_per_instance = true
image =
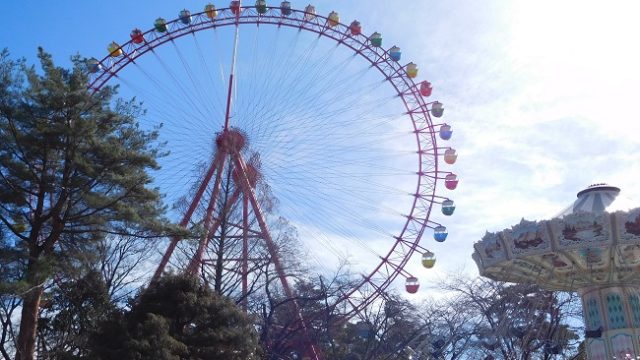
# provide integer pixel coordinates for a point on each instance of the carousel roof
(595, 199)
(594, 241)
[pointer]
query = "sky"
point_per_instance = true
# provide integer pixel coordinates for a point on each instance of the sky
(541, 95)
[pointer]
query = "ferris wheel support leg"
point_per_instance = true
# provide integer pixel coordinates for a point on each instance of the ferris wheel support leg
(187, 216)
(196, 260)
(273, 252)
(210, 209)
(245, 252)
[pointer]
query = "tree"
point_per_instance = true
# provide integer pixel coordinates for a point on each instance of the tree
(178, 317)
(9, 302)
(477, 319)
(70, 312)
(509, 321)
(387, 329)
(121, 262)
(287, 328)
(72, 171)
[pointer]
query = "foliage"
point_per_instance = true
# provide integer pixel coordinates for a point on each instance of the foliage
(70, 312)
(122, 262)
(72, 170)
(385, 330)
(479, 319)
(178, 318)
(508, 321)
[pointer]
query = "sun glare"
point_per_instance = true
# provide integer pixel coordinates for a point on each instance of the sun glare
(579, 54)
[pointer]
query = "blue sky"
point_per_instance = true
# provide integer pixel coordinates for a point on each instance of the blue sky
(541, 95)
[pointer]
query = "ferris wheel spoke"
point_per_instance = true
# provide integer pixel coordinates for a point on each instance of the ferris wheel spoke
(344, 168)
(288, 81)
(199, 90)
(310, 142)
(349, 224)
(306, 119)
(336, 182)
(318, 121)
(314, 90)
(300, 122)
(259, 70)
(274, 91)
(343, 87)
(163, 107)
(206, 69)
(347, 219)
(179, 85)
(314, 74)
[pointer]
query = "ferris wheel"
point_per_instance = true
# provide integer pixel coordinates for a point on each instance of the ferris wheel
(274, 113)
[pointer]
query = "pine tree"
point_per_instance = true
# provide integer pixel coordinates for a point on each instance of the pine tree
(72, 311)
(178, 317)
(73, 168)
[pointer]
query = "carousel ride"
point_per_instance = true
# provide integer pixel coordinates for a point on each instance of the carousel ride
(590, 249)
(310, 120)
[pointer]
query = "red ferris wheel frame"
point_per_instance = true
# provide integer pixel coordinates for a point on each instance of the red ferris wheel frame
(407, 241)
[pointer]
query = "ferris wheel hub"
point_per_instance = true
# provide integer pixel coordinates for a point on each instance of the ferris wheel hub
(231, 140)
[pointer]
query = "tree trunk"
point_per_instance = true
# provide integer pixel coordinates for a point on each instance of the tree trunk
(220, 262)
(30, 311)
(223, 231)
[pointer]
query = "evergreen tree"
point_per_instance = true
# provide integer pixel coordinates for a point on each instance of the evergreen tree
(70, 312)
(72, 170)
(178, 317)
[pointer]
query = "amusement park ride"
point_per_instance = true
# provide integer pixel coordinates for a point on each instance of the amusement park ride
(590, 249)
(232, 154)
